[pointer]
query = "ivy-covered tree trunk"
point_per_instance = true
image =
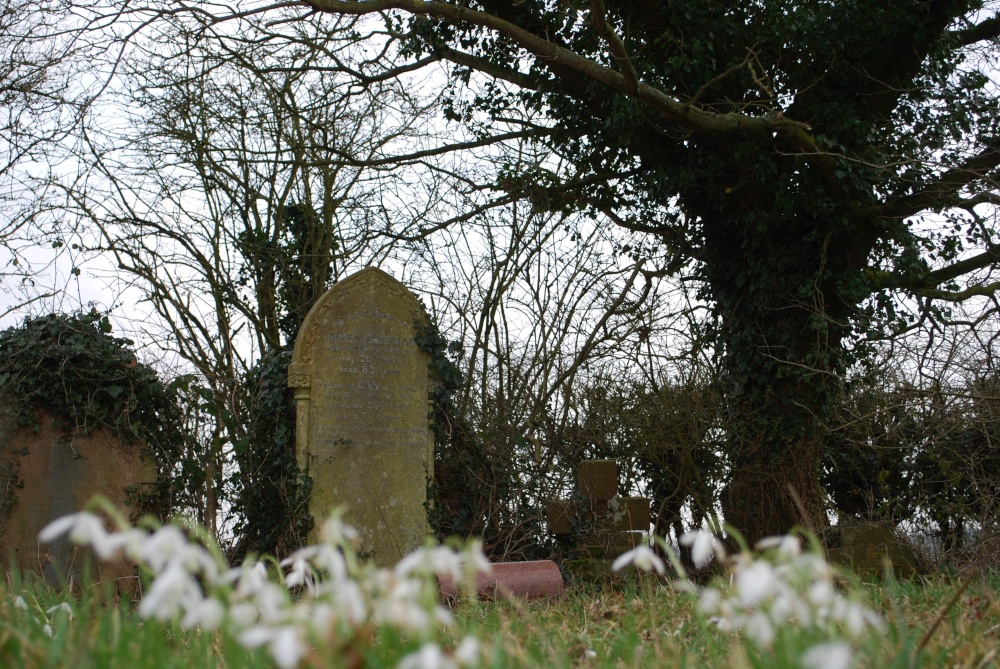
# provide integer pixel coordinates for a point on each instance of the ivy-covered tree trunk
(783, 272)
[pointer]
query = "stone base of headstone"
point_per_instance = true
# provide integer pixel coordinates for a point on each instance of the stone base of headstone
(53, 475)
(870, 550)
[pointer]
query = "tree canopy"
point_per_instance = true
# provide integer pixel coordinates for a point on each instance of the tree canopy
(816, 165)
(826, 173)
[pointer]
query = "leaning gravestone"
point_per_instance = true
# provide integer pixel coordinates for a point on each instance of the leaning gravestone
(50, 474)
(78, 416)
(362, 427)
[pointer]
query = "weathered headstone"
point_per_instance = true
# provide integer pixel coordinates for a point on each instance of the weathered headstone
(362, 428)
(870, 549)
(48, 474)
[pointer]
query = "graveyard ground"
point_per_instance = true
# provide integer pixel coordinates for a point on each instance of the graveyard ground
(634, 622)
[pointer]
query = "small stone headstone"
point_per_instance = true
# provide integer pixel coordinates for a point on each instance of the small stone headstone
(49, 474)
(870, 549)
(362, 428)
(612, 524)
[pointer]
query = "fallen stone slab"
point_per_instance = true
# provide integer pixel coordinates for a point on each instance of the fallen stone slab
(536, 579)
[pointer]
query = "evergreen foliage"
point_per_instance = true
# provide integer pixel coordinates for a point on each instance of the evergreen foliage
(70, 367)
(473, 492)
(270, 491)
(783, 154)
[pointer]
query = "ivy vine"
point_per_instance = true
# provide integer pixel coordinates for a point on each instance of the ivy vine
(70, 369)
(271, 492)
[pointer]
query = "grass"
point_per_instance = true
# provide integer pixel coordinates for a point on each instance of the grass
(633, 622)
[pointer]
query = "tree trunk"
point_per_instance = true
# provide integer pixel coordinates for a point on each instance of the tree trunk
(781, 271)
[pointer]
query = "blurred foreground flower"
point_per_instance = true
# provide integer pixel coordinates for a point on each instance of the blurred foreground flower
(780, 588)
(341, 602)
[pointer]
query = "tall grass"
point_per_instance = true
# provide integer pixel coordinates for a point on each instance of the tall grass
(635, 620)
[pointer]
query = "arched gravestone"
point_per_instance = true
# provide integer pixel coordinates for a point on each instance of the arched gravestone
(49, 474)
(362, 428)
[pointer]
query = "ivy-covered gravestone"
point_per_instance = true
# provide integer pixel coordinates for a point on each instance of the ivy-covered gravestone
(79, 417)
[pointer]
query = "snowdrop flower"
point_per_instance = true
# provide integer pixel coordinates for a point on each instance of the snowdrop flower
(84, 529)
(288, 647)
(47, 629)
(206, 614)
(401, 614)
(821, 593)
(350, 601)
(243, 614)
(475, 560)
(832, 655)
(760, 630)
(704, 546)
(710, 601)
(161, 547)
(428, 657)
(643, 558)
(58, 527)
(19, 603)
(787, 545)
(170, 591)
(467, 653)
(299, 574)
(285, 644)
(64, 607)
(439, 560)
(336, 533)
(755, 582)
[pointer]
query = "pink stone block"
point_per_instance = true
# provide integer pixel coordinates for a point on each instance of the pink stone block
(528, 580)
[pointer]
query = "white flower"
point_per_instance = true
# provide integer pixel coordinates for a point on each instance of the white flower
(439, 560)
(786, 545)
(350, 602)
(467, 653)
(57, 528)
(64, 607)
(643, 558)
(161, 547)
(20, 603)
(285, 643)
(287, 647)
(755, 583)
(243, 614)
(169, 591)
(47, 629)
(336, 533)
(475, 560)
(760, 630)
(832, 655)
(206, 614)
(428, 657)
(710, 601)
(821, 593)
(299, 574)
(704, 546)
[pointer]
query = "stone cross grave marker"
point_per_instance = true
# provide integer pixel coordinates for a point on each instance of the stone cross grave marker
(362, 426)
(614, 525)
